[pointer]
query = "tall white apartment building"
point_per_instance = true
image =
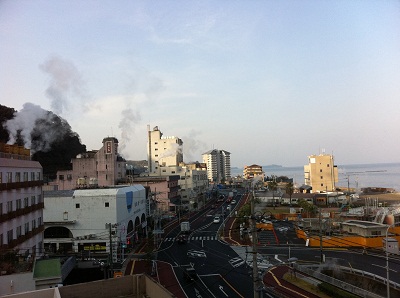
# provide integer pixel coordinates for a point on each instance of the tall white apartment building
(321, 173)
(218, 164)
(163, 151)
(21, 201)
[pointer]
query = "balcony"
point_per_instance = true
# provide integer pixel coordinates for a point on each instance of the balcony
(21, 212)
(21, 239)
(17, 185)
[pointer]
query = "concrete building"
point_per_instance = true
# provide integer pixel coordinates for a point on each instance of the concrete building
(194, 185)
(96, 168)
(164, 192)
(218, 164)
(21, 201)
(253, 171)
(134, 286)
(321, 174)
(79, 221)
(162, 151)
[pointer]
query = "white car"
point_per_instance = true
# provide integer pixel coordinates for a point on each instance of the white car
(233, 202)
(217, 219)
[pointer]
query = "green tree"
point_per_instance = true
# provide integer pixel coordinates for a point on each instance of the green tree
(308, 207)
(273, 186)
(289, 190)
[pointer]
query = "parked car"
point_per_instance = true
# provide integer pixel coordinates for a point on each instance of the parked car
(190, 274)
(233, 202)
(217, 219)
(228, 208)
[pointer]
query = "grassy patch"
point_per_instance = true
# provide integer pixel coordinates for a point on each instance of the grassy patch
(304, 285)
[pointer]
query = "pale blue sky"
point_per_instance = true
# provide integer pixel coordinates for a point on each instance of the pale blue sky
(249, 77)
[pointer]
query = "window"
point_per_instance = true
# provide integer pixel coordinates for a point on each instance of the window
(9, 177)
(327, 165)
(32, 176)
(1, 208)
(38, 176)
(69, 177)
(320, 170)
(18, 232)
(17, 177)
(33, 224)
(65, 216)
(25, 176)
(26, 228)
(61, 177)
(1, 240)
(156, 149)
(9, 206)
(107, 204)
(33, 200)
(26, 202)
(156, 155)
(322, 184)
(322, 177)
(10, 236)
(78, 205)
(39, 198)
(40, 221)
(1, 177)
(155, 143)
(19, 204)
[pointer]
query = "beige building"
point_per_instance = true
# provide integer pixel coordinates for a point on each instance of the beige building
(163, 151)
(321, 173)
(253, 171)
(96, 168)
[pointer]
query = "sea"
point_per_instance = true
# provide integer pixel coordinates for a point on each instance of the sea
(355, 176)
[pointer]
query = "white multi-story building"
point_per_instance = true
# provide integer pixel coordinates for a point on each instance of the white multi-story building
(163, 151)
(218, 164)
(79, 220)
(21, 201)
(193, 184)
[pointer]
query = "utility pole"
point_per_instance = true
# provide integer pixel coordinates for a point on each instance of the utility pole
(111, 250)
(254, 238)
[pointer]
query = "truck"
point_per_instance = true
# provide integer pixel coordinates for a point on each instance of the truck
(185, 227)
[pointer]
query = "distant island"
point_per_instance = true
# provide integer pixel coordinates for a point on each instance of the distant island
(273, 166)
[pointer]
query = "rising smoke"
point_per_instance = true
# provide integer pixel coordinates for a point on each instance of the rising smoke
(66, 84)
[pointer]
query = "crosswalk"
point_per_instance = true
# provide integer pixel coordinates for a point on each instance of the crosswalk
(194, 238)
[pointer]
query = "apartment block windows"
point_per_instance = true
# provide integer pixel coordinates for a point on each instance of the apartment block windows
(38, 176)
(69, 177)
(32, 176)
(61, 177)
(9, 177)
(26, 228)
(40, 221)
(1, 208)
(17, 177)
(39, 197)
(26, 202)
(78, 205)
(106, 204)
(9, 206)
(33, 200)
(33, 224)
(19, 232)
(19, 204)
(10, 236)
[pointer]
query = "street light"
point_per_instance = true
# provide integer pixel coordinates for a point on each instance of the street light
(387, 263)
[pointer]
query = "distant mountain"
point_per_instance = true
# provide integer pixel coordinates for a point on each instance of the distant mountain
(273, 166)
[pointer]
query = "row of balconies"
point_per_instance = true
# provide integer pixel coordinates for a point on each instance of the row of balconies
(21, 239)
(16, 185)
(20, 212)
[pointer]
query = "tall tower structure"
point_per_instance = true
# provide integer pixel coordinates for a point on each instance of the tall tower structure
(218, 164)
(163, 151)
(321, 173)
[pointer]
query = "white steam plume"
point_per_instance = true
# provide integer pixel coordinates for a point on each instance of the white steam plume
(24, 121)
(65, 84)
(192, 147)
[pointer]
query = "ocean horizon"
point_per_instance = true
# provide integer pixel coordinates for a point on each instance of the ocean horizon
(353, 175)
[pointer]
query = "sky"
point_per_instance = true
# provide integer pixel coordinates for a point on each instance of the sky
(271, 82)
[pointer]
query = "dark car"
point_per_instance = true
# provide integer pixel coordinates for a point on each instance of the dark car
(190, 274)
